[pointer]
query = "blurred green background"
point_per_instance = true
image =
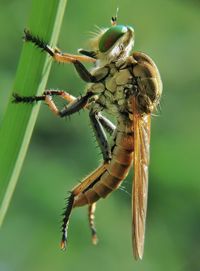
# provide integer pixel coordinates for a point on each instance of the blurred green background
(62, 152)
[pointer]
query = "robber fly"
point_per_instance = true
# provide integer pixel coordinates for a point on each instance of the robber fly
(123, 84)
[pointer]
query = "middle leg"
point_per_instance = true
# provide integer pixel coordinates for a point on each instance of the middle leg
(100, 136)
(106, 123)
(75, 104)
(91, 211)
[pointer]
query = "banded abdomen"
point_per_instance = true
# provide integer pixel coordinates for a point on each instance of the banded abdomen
(107, 177)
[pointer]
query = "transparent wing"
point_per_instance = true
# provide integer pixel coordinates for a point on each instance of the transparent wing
(140, 182)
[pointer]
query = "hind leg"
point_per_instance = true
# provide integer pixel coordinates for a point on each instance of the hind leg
(79, 197)
(91, 217)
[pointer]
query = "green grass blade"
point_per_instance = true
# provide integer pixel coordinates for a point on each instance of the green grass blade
(32, 74)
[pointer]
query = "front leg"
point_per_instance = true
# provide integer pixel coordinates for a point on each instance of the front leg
(61, 57)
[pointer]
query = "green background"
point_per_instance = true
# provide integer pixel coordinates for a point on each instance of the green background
(62, 152)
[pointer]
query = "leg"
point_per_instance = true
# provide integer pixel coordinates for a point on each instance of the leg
(107, 124)
(91, 211)
(87, 53)
(65, 223)
(100, 136)
(77, 199)
(75, 105)
(60, 57)
(31, 99)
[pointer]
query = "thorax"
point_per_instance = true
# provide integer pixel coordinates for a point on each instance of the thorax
(112, 90)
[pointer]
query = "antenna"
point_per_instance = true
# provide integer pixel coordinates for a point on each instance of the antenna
(114, 19)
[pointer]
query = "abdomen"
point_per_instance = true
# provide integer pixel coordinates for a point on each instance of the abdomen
(115, 172)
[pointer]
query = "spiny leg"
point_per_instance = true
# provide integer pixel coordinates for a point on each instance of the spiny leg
(65, 222)
(100, 136)
(61, 57)
(75, 106)
(75, 103)
(72, 202)
(107, 124)
(31, 99)
(91, 211)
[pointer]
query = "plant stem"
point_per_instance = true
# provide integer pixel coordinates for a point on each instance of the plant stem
(32, 74)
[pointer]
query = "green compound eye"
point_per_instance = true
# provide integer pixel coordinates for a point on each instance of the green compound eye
(111, 36)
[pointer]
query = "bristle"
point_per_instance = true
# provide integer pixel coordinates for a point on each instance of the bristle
(37, 41)
(34, 39)
(26, 99)
(65, 220)
(94, 41)
(99, 29)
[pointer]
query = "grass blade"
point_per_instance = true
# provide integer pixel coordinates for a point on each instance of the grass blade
(32, 74)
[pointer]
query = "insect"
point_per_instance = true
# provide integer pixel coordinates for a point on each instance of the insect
(123, 84)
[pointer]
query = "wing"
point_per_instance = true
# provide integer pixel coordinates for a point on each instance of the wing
(140, 182)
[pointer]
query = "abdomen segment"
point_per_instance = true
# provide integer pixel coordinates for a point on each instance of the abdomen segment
(107, 180)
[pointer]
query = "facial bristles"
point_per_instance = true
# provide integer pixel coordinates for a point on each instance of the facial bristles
(94, 41)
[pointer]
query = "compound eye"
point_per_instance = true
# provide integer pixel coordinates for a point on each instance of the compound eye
(109, 38)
